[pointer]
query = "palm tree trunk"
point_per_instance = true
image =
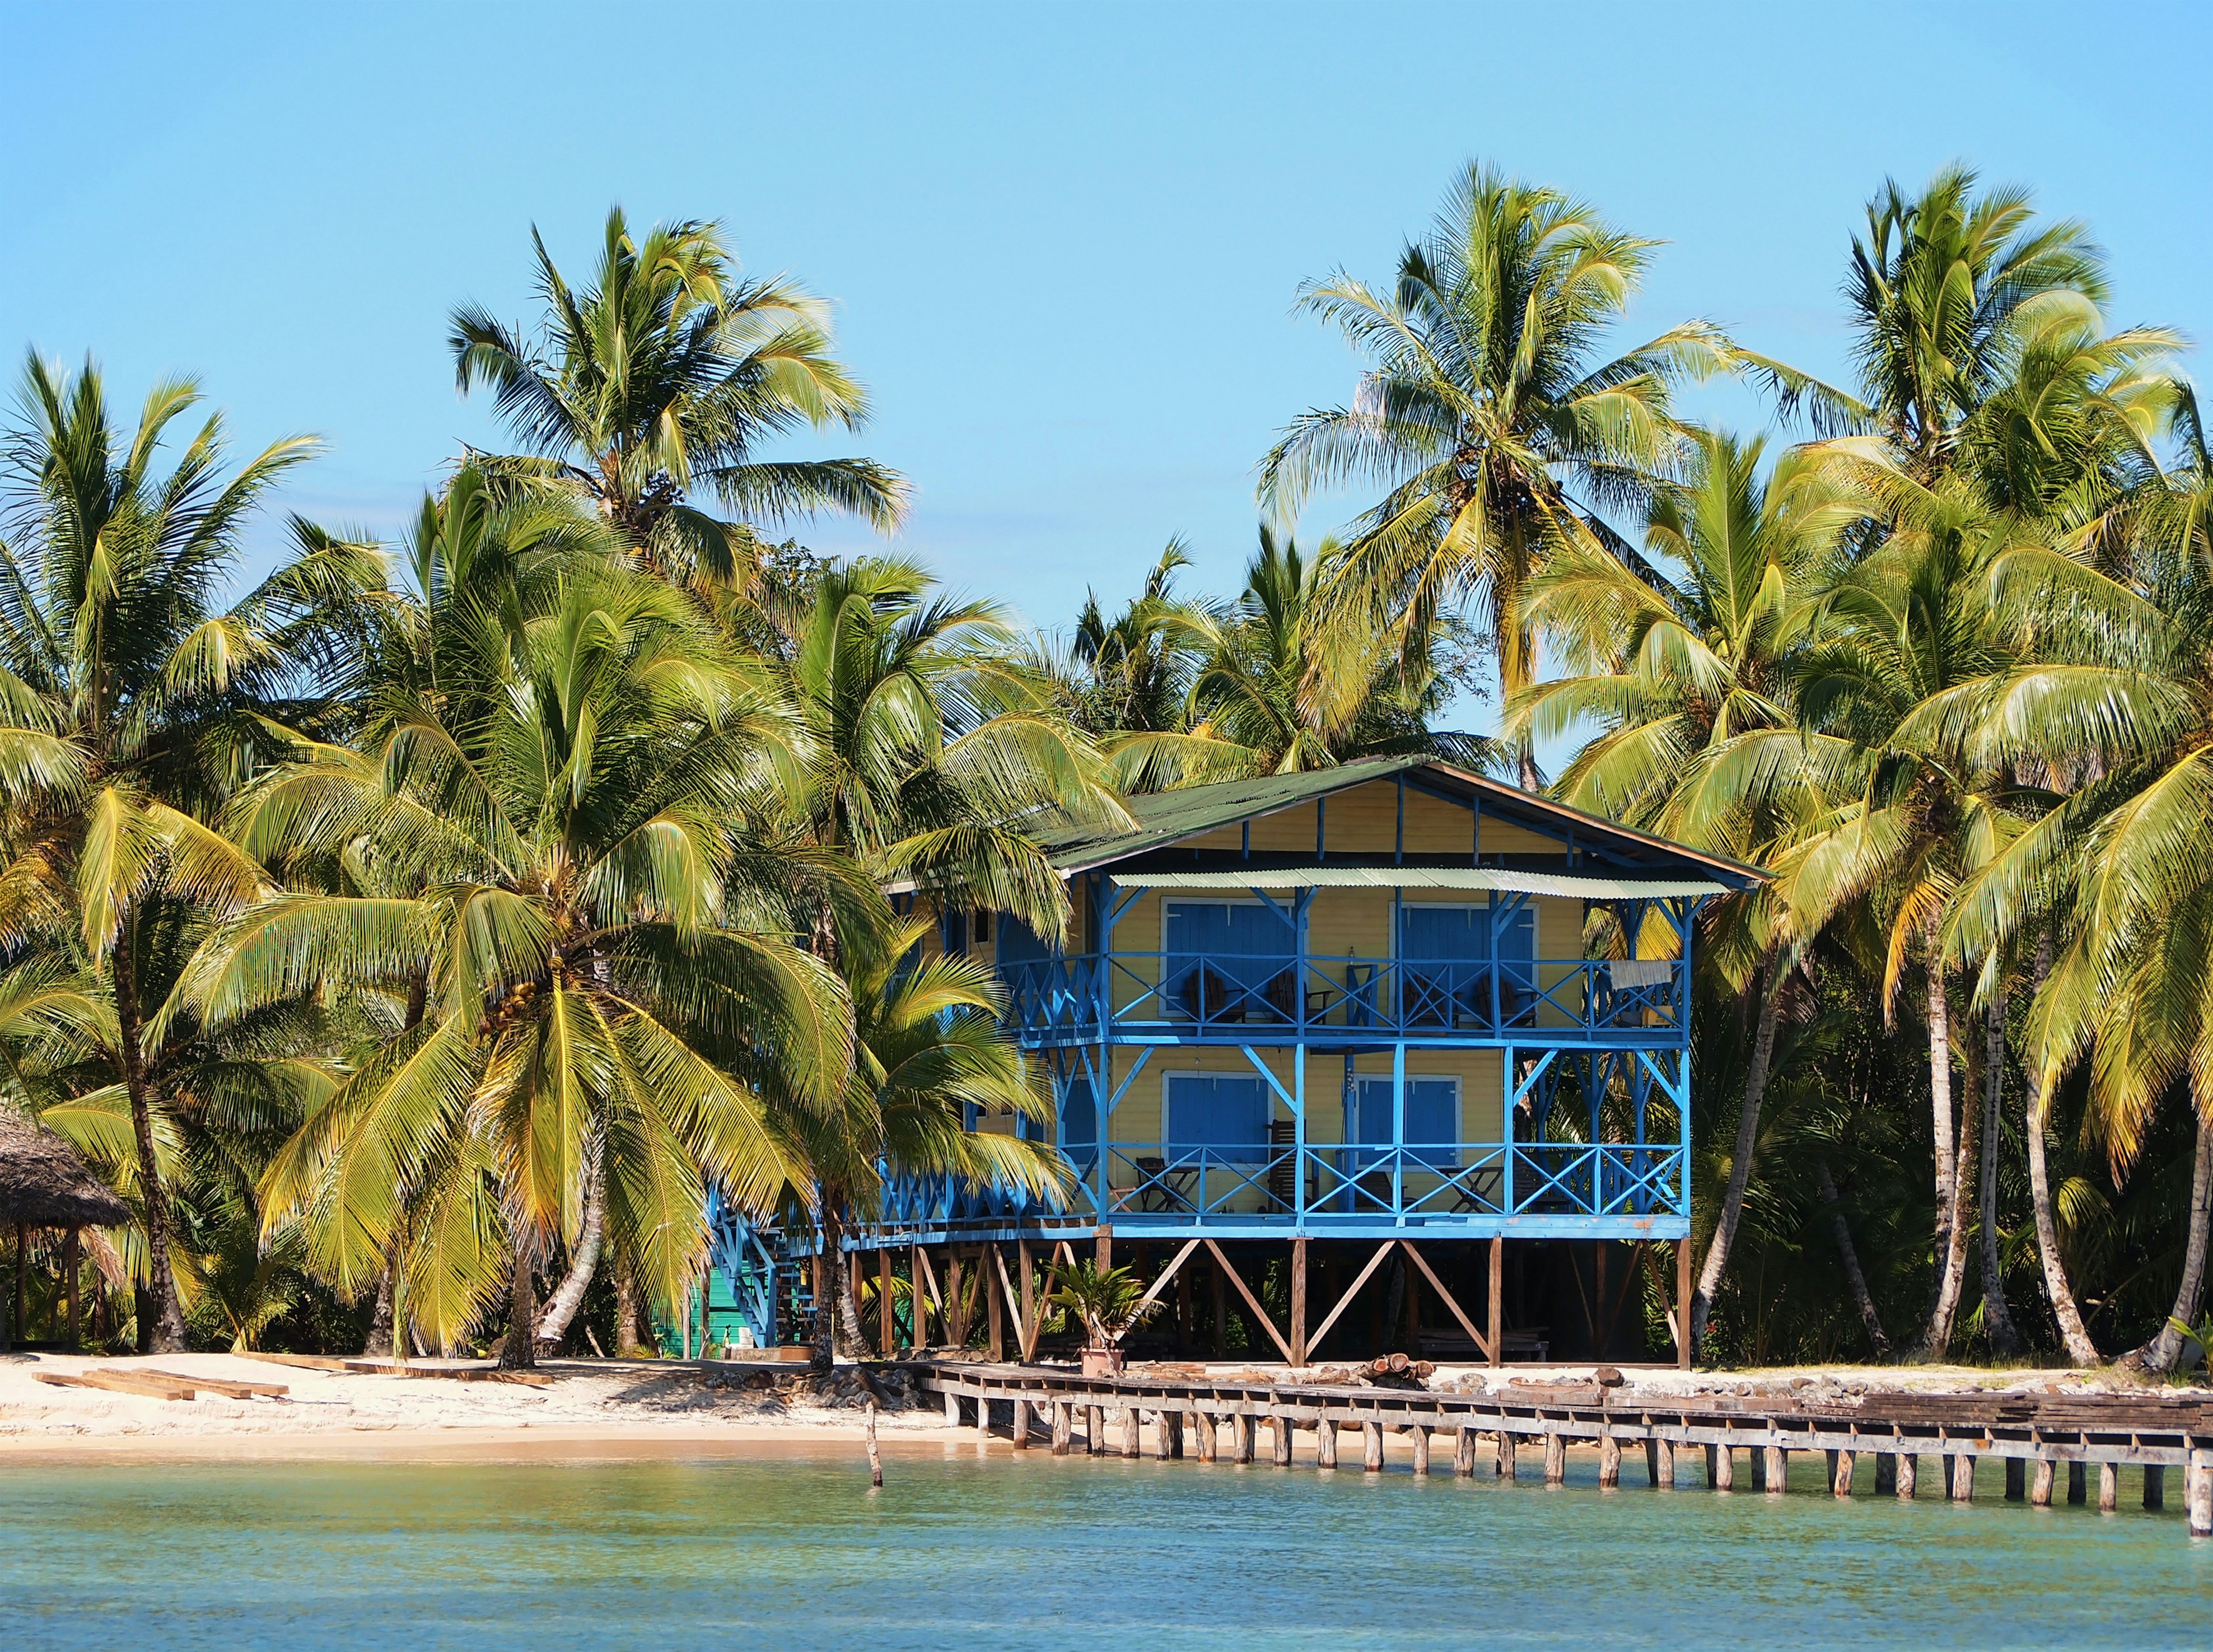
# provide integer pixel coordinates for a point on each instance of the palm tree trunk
(1948, 1247)
(518, 1352)
(167, 1332)
(837, 1321)
(2159, 1355)
(1998, 1318)
(380, 1341)
(583, 1262)
(629, 1341)
(1768, 984)
(2072, 1331)
(1827, 1185)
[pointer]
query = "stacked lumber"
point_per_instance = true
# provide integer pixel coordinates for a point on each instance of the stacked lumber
(148, 1384)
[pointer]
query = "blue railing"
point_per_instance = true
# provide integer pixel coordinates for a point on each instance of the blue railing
(1175, 994)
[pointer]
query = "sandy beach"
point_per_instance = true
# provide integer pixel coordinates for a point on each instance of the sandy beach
(643, 1408)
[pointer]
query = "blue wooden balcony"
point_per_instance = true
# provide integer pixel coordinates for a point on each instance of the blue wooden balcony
(1231, 998)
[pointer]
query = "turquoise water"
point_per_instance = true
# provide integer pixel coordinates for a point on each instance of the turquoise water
(1038, 1552)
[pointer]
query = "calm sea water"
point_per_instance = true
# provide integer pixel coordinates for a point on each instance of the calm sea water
(1035, 1552)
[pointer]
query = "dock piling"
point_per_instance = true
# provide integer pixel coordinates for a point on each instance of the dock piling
(1282, 1442)
(2109, 1487)
(1130, 1445)
(1421, 1448)
(1841, 1472)
(1720, 1468)
(1371, 1447)
(1556, 1458)
(1240, 1438)
(1202, 1425)
(1021, 1428)
(952, 1409)
(1464, 1453)
(1094, 1430)
(1776, 1477)
(1063, 1428)
(2197, 1492)
(1502, 1465)
(2039, 1484)
(1325, 1444)
(1963, 1477)
(1609, 1459)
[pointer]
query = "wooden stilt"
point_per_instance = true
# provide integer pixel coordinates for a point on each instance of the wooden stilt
(956, 1304)
(952, 1410)
(886, 1316)
(1221, 1309)
(1131, 1447)
(1721, 1467)
(68, 1284)
(2197, 1492)
(2076, 1489)
(1241, 1435)
(1095, 1431)
(918, 1305)
(1031, 1323)
(1609, 1460)
(1298, 1301)
(1325, 1444)
(1684, 1352)
(2155, 1486)
(1963, 1477)
(1021, 1437)
(1841, 1472)
(1502, 1463)
(1907, 1471)
(1282, 1442)
(2039, 1484)
(1160, 1437)
(1664, 1466)
(1102, 1247)
(1371, 1447)
(1464, 1453)
(1202, 1425)
(2109, 1487)
(1184, 1326)
(983, 1419)
(995, 1319)
(1495, 1310)
(1063, 1428)
(1421, 1449)
(2017, 1474)
(1778, 1471)
(1556, 1459)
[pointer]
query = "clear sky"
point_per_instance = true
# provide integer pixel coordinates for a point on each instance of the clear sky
(1063, 243)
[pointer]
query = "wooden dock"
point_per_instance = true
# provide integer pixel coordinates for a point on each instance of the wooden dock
(2034, 1436)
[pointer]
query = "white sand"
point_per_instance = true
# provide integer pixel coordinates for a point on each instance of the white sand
(631, 1405)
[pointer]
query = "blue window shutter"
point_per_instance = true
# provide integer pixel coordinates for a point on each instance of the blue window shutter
(1432, 1117)
(1226, 1113)
(1079, 1125)
(1017, 944)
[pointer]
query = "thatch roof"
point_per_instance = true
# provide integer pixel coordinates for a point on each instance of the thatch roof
(44, 1183)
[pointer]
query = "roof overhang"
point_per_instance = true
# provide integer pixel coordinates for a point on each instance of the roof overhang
(1569, 885)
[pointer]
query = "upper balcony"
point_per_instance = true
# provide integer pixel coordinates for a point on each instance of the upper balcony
(1141, 997)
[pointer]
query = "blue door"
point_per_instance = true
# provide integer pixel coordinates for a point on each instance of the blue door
(1432, 1119)
(1446, 962)
(1228, 960)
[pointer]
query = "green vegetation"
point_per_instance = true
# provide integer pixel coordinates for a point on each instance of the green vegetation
(439, 922)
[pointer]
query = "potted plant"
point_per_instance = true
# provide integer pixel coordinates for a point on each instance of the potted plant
(1109, 1302)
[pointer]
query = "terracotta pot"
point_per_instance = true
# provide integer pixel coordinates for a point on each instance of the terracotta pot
(1102, 1361)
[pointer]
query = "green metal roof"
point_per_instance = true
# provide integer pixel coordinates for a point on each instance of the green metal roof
(1571, 884)
(1167, 817)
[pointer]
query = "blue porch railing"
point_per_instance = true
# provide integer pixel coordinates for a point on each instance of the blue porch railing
(1172, 995)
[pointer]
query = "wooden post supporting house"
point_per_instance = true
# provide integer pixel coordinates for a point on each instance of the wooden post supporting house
(68, 1285)
(1298, 1300)
(1063, 1428)
(1909, 1470)
(1495, 1309)
(994, 1305)
(1371, 1447)
(917, 1303)
(1841, 1472)
(956, 1304)
(1282, 1442)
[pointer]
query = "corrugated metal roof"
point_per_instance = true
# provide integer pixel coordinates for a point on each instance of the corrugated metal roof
(1572, 886)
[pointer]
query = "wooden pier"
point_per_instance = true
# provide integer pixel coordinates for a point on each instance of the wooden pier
(2034, 1436)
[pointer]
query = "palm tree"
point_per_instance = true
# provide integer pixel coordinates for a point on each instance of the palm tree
(132, 702)
(1285, 684)
(668, 376)
(1684, 683)
(600, 931)
(930, 1062)
(1486, 415)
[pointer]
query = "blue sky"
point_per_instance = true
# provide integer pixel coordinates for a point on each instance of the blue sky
(1063, 243)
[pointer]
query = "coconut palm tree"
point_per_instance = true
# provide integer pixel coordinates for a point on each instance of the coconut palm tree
(599, 931)
(135, 702)
(1496, 429)
(1683, 679)
(667, 376)
(929, 1066)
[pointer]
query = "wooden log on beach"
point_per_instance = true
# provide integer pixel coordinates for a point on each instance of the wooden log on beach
(307, 1361)
(1021, 1428)
(2039, 1484)
(146, 1384)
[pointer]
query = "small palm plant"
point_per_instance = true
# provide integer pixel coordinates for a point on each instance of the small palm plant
(1111, 1303)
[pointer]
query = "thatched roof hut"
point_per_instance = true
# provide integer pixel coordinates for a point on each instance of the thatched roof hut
(44, 1183)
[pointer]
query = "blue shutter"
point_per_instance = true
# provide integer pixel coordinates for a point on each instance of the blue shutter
(1432, 1117)
(1225, 1113)
(1079, 1125)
